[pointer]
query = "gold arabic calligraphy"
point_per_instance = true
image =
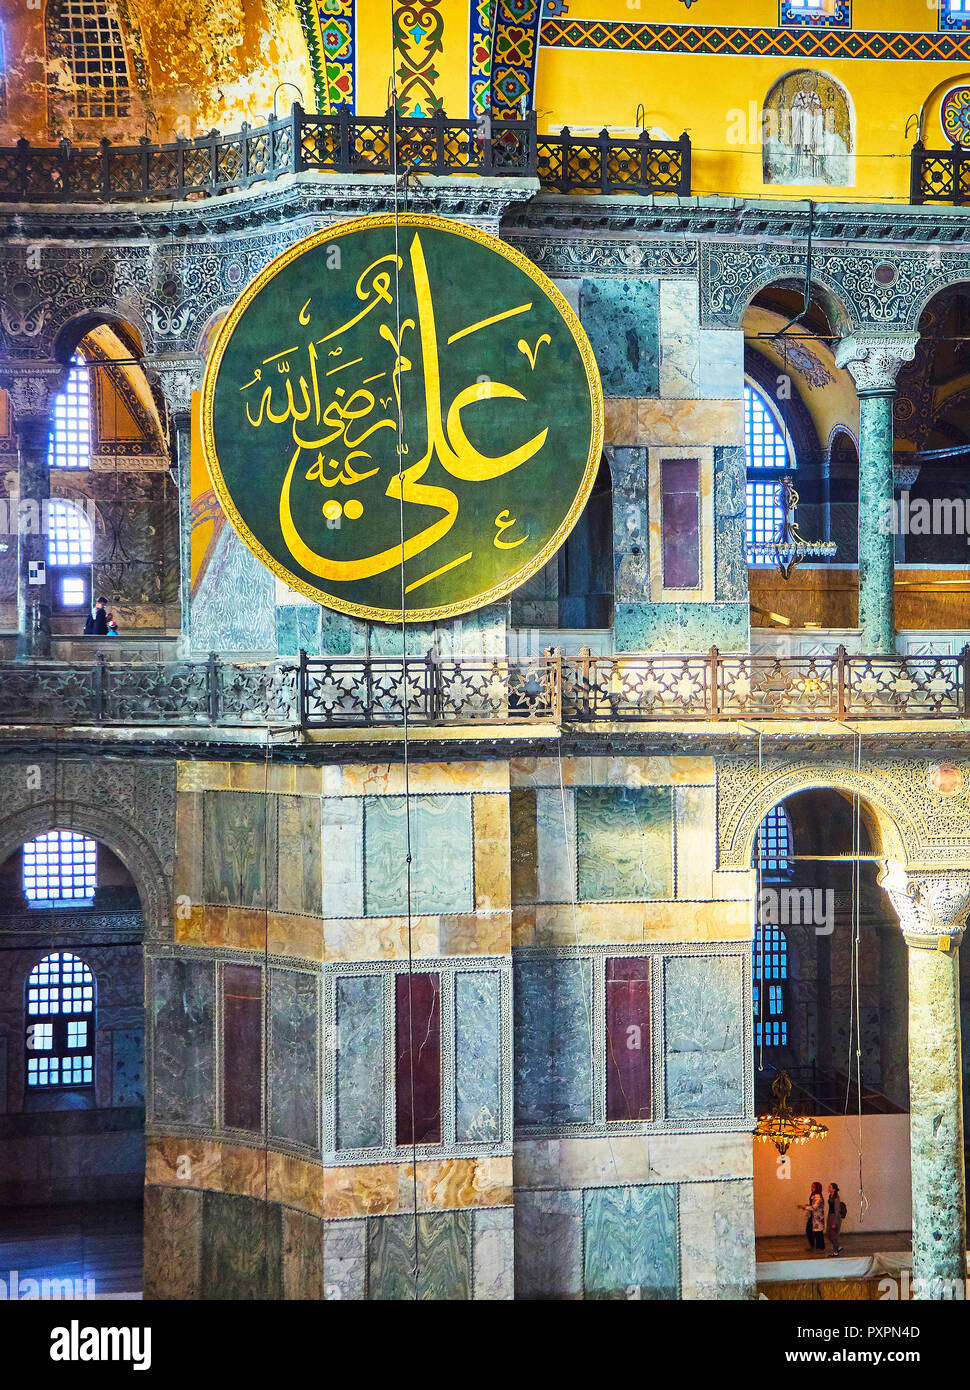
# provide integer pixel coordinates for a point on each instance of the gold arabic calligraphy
(338, 435)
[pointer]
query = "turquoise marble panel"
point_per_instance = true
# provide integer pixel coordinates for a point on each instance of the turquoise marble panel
(553, 1043)
(631, 1243)
(441, 1272)
(360, 1062)
(441, 855)
(555, 845)
(703, 1017)
(681, 627)
(621, 318)
(183, 1066)
(730, 499)
(241, 1248)
(478, 1042)
(298, 629)
(239, 848)
(548, 1245)
(293, 1086)
(625, 843)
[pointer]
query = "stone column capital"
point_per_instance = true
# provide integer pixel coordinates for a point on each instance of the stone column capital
(178, 376)
(873, 362)
(905, 475)
(31, 388)
(930, 904)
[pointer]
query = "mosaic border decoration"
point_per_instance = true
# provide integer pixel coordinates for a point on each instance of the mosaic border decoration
(418, 34)
(619, 36)
(514, 57)
(839, 17)
(330, 30)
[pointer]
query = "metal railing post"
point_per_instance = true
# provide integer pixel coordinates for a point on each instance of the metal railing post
(301, 692)
(841, 671)
(212, 687)
(296, 138)
(916, 173)
(957, 155)
(965, 669)
(684, 188)
(714, 659)
(244, 153)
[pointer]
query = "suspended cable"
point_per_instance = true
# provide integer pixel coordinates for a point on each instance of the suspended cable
(415, 1266)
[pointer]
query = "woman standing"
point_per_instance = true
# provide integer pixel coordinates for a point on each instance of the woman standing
(815, 1225)
(835, 1219)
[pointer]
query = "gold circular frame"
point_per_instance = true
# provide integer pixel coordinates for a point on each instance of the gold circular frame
(323, 237)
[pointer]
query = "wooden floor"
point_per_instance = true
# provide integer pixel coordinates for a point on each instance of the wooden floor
(854, 1243)
(95, 1241)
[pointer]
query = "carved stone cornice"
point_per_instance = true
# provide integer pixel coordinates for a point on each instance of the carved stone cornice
(929, 905)
(874, 362)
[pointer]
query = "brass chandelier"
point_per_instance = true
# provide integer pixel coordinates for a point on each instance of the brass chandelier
(782, 1128)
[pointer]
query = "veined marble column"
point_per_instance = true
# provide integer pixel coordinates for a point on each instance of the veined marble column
(31, 388)
(932, 910)
(178, 378)
(874, 364)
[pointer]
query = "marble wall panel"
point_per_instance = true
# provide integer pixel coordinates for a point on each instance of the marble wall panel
(679, 347)
(703, 1007)
(630, 1242)
(298, 628)
(443, 1262)
(173, 1242)
(478, 1041)
(342, 821)
(621, 318)
(553, 1042)
(128, 1066)
(441, 854)
(717, 1240)
(548, 1245)
(238, 848)
(345, 1259)
(241, 1248)
(721, 363)
(299, 876)
(555, 845)
(302, 1255)
(242, 1048)
(417, 1077)
(293, 1069)
(494, 1254)
(183, 1088)
(695, 813)
(524, 851)
(625, 843)
(360, 1062)
(490, 819)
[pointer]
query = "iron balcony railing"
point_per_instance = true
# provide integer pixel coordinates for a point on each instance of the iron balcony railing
(940, 176)
(341, 144)
(363, 692)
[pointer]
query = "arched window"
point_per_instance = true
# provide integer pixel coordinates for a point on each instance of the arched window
(60, 1022)
(70, 550)
(768, 457)
(86, 35)
(70, 439)
(60, 865)
(773, 847)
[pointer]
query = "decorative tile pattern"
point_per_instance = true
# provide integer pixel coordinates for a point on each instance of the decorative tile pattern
(703, 1013)
(625, 843)
(360, 1062)
(553, 1042)
(329, 27)
(630, 1242)
(514, 57)
(838, 17)
(619, 36)
(477, 1050)
(441, 1265)
(955, 115)
(441, 834)
(418, 28)
(479, 56)
(293, 1066)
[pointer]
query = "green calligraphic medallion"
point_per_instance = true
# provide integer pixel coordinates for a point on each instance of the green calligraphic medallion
(402, 415)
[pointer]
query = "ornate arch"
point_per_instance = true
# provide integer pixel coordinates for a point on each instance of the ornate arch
(122, 838)
(893, 831)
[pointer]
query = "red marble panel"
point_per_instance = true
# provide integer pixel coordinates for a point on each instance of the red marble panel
(418, 999)
(242, 1047)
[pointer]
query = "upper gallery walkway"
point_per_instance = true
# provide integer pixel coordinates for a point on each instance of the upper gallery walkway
(346, 693)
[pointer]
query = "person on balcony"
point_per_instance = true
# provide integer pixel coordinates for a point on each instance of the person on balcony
(815, 1225)
(97, 623)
